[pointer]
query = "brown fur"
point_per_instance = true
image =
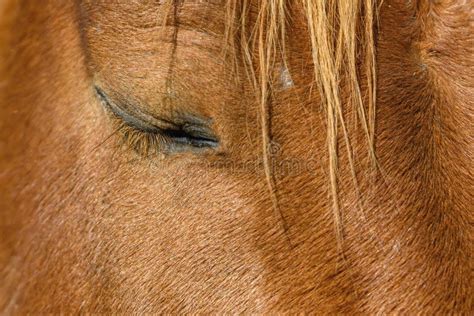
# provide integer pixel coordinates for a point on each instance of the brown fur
(90, 225)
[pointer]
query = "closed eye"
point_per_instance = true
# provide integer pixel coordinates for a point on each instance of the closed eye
(144, 131)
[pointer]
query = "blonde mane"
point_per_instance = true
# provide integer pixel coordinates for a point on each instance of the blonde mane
(340, 33)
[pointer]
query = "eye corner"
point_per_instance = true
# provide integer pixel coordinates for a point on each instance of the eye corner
(99, 93)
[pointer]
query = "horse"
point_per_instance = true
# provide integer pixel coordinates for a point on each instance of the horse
(236, 156)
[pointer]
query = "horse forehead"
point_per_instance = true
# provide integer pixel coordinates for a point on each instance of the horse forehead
(206, 16)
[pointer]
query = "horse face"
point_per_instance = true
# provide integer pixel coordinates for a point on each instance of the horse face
(135, 176)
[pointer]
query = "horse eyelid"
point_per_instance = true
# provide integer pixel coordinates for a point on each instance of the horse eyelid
(186, 134)
(126, 117)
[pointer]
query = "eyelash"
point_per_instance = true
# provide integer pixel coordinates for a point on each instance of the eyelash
(149, 142)
(142, 142)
